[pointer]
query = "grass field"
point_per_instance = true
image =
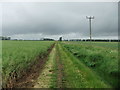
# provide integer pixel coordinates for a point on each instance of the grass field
(69, 64)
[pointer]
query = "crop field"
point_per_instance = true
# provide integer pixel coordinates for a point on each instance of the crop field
(18, 56)
(55, 64)
(107, 45)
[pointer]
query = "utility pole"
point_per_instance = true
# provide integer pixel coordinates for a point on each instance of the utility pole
(90, 19)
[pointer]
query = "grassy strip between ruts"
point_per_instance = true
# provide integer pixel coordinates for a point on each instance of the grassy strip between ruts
(60, 69)
(77, 75)
(57, 75)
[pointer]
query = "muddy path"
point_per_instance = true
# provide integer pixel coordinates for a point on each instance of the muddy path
(30, 76)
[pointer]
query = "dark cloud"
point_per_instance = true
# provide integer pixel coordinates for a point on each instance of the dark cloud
(51, 19)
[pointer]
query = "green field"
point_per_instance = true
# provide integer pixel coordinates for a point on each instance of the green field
(69, 64)
(107, 45)
(18, 56)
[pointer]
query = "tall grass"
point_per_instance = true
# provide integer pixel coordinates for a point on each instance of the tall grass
(101, 59)
(77, 75)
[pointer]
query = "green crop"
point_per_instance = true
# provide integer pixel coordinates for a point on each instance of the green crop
(18, 56)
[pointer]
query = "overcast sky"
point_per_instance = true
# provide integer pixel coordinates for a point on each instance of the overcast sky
(52, 20)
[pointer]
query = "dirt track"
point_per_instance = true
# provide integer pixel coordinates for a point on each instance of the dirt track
(53, 66)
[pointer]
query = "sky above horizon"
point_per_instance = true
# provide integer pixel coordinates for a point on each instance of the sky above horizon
(28, 20)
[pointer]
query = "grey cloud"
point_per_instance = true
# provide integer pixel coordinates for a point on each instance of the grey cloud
(59, 19)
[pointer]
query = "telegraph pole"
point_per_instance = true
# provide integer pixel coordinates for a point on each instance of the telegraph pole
(90, 19)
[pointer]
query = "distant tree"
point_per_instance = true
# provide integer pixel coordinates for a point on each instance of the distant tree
(48, 39)
(5, 38)
(60, 39)
(8, 38)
